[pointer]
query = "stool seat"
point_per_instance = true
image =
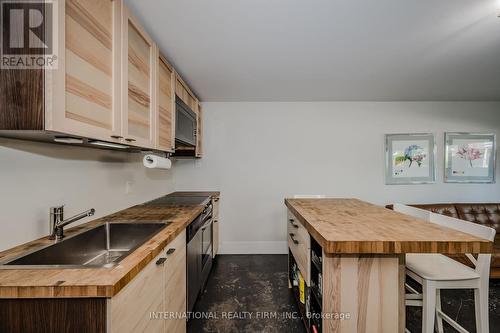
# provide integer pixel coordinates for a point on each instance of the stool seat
(438, 267)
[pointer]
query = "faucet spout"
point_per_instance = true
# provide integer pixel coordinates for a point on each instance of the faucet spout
(57, 221)
(61, 224)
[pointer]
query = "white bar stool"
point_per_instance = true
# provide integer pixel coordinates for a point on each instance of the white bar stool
(436, 271)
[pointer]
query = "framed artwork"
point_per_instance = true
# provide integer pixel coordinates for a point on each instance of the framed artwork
(470, 158)
(410, 159)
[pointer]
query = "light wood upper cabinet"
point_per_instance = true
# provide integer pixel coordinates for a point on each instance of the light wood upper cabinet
(84, 94)
(185, 94)
(138, 83)
(165, 105)
(111, 84)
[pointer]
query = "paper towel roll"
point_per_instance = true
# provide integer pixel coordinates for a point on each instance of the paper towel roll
(156, 162)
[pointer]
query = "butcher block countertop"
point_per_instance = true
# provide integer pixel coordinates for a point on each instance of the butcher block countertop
(343, 226)
(96, 282)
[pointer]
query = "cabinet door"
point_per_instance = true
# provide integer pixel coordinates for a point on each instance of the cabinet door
(139, 59)
(165, 108)
(84, 94)
(175, 284)
(129, 310)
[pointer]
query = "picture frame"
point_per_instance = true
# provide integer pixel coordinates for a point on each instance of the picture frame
(470, 157)
(410, 159)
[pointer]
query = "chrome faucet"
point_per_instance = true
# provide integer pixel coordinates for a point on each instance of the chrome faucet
(57, 222)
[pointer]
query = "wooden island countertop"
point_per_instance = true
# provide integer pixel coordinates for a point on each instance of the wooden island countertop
(343, 226)
(96, 282)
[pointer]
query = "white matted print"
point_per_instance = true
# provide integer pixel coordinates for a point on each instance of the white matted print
(410, 158)
(470, 157)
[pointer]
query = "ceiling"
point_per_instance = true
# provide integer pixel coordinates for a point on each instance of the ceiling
(327, 50)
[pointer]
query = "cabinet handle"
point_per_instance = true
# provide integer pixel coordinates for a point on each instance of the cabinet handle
(170, 251)
(215, 221)
(161, 261)
(293, 239)
(116, 137)
(129, 140)
(216, 199)
(291, 222)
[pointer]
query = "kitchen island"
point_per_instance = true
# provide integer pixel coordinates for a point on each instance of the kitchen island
(351, 256)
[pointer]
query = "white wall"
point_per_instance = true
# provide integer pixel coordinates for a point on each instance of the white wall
(36, 176)
(258, 153)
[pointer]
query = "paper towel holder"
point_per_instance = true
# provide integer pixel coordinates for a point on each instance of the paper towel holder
(161, 154)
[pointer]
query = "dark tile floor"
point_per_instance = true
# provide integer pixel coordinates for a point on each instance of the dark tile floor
(243, 289)
(241, 286)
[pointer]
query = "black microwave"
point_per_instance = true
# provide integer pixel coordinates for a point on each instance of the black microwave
(185, 123)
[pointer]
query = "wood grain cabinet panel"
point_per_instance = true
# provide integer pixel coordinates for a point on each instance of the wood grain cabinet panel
(175, 284)
(129, 311)
(155, 300)
(139, 65)
(88, 71)
(165, 105)
(61, 315)
(368, 288)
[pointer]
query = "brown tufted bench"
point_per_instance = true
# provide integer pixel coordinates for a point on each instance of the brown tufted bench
(487, 214)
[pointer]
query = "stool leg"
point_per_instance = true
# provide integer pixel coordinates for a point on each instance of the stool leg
(439, 320)
(481, 305)
(429, 306)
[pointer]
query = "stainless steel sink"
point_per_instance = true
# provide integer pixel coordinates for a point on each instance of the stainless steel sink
(100, 247)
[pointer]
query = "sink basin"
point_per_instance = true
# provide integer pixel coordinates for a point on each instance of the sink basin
(101, 247)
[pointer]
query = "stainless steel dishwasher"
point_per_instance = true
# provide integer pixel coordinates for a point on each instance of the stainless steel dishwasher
(199, 254)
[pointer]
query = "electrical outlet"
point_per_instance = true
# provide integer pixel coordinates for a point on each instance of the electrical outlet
(129, 187)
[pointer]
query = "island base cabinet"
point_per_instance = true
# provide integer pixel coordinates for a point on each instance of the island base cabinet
(363, 293)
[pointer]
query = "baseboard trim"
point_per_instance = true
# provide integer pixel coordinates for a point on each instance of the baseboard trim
(257, 247)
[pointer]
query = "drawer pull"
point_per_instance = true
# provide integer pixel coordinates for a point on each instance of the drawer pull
(161, 261)
(130, 140)
(170, 251)
(294, 225)
(292, 237)
(216, 199)
(116, 137)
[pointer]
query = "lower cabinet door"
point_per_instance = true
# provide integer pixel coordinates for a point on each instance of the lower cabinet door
(132, 309)
(175, 285)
